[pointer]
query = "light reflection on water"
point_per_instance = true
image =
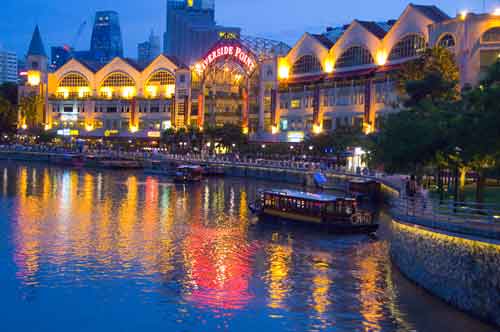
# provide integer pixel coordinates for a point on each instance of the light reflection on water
(85, 246)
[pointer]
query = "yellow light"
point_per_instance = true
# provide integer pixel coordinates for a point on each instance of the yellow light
(496, 12)
(64, 92)
(134, 129)
(283, 69)
(107, 91)
(47, 127)
(34, 77)
(24, 126)
(381, 57)
(152, 91)
(329, 66)
(198, 67)
(317, 129)
(368, 128)
(83, 92)
(245, 130)
(463, 14)
(170, 90)
(128, 92)
(89, 127)
(274, 130)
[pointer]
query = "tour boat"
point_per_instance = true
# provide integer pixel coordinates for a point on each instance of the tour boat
(336, 214)
(189, 173)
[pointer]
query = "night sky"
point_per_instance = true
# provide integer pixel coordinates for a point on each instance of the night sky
(285, 20)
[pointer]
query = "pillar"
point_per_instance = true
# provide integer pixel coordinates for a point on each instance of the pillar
(370, 101)
(201, 109)
(245, 110)
(275, 110)
(262, 111)
(317, 113)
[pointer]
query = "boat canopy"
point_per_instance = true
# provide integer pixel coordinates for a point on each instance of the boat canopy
(303, 195)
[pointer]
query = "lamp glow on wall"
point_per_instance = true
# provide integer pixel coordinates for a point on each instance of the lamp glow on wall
(83, 92)
(496, 12)
(170, 90)
(64, 92)
(381, 57)
(329, 66)
(152, 91)
(274, 130)
(283, 69)
(134, 129)
(34, 77)
(463, 14)
(128, 92)
(317, 129)
(89, 127)
(107, 92)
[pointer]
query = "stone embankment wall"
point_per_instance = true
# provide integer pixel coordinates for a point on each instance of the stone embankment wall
(464, 271)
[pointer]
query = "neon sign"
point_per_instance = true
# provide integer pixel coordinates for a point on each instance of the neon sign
(232, 51)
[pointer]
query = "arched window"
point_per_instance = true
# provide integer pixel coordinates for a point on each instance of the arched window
(306, 64)
(160, 83)
(118, 79)
(408, 47)
(73, 85)
(354, 56)
(491, 36)
(73, 80)
(447, 41)
(161, 77)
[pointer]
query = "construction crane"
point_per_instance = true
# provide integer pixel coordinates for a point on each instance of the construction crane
(71, 48)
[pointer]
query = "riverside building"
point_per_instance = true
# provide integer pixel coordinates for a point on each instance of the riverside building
(344, 77)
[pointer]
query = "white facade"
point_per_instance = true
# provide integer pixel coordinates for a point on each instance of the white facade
(8, 67)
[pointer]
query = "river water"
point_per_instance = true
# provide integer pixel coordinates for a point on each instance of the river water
(115, 251)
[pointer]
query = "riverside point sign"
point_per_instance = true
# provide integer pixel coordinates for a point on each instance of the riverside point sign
(233, 51)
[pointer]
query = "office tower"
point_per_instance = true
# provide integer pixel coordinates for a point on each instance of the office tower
(191, 29)
(106, 42)
(59, 55)
(148, 50)
(8, 67)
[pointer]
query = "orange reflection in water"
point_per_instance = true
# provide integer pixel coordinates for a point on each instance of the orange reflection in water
(279, 283)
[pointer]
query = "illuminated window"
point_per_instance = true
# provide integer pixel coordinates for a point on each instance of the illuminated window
(74, 80)
(447, 41)
(491, 36)
(118, 79)
(306, 64)
(410, 46)
(295, 103)
(161, 77)
(354, 56)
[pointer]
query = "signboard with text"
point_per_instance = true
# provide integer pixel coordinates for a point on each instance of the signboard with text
(232, 50)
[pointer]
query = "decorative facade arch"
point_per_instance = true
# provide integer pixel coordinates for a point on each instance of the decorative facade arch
(491, 36)
(409, 46)
(354, 56)
(160, 82)
(73, 85)
(118, 83)
(447, 40)
(306, 64)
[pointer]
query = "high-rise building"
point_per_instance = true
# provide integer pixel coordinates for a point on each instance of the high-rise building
(191, 29)
(8, 67)
(59, 55)
(148, 50)
(106, 42)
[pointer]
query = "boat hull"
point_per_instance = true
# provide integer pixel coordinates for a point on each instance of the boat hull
(275, 218)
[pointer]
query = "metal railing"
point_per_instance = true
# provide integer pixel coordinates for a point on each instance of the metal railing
(447, 211)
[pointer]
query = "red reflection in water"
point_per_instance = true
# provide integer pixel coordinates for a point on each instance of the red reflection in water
(219, 268)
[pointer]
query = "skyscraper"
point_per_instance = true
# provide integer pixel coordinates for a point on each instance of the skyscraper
(59, 55)
(106, 42)
(8, 67)
(191, 29)
(148, 50)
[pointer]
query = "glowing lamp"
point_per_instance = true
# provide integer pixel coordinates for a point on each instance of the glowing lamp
(496, 12)
(317, 129)
(83, 92)
(170, 90)
(134, 129)
(47, 127)
(89, 127)
(107, 92)
(34, 78)
(64, 92)
(463, 14)
(329, 66)
(152, 91)
(24, 126)
(245, 130)
(381, 57)
(283, 69)
(198, 67)
(274, 130)
(128, 92)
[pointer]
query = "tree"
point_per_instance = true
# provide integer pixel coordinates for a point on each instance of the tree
(434, 75)
(8, 117)
(338, 141)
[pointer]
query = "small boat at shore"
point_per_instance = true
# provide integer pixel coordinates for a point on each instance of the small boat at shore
(188, 173)
(335, 214)
(69, 159)
(161, 168)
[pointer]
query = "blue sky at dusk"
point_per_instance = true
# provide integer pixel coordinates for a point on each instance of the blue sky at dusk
(284, 20)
